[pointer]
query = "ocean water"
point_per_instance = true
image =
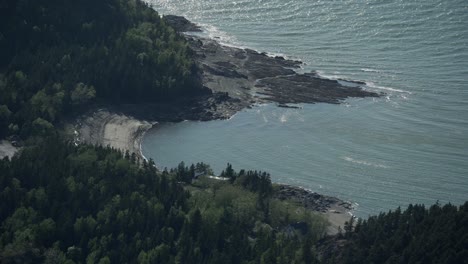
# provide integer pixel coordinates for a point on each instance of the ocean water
(409, 146)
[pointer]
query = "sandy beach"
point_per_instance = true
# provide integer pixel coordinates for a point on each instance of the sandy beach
(107, 128)
(337, 216)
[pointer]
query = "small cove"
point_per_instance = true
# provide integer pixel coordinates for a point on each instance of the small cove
(410, 146)
(337, 150)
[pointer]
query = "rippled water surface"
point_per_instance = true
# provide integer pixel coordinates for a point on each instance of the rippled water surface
(410, 146)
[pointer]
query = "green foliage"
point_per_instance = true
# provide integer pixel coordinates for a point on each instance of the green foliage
(82, 94)
(74, 204)
(42, 127)
(53, 61)
(417, 235)
(5, 114)
(81, 204)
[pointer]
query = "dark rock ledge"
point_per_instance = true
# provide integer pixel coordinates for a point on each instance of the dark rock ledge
(310, 200)
(250, 77)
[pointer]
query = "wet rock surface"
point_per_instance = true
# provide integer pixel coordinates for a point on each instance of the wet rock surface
(249, 75)
(254, 77)
(217, 105)
(310, 200)
(181, 24)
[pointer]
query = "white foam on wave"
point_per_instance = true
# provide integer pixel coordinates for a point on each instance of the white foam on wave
(286, 57)
(344, 80)
(374, 86)
(290, 114)
(329, 76)
(283, 118)
(364, 162)
(222, 37)
(369, 70)
(228, 40)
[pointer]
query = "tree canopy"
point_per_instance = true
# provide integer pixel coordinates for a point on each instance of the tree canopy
(63, 203)
(438, 234)
(56, 56)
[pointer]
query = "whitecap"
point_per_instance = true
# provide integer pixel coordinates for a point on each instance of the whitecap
(347, 82)
(283, 118)
(328, 76)
(221, 36)
(364, 162)
(369, 70)
(374, 86)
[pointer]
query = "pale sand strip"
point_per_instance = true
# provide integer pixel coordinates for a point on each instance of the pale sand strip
(337, 216)
(7, 149)
(106, 128)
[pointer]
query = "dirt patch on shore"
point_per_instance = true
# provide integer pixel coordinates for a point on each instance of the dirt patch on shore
(106, 128)
(7, 149)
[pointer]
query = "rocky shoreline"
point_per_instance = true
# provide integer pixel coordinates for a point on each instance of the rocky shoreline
(335, 210)
(234, 79)
(119, 130)
(309, 199)
(254, 77)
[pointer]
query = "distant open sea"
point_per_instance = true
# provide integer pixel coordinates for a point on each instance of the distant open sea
(410, 146)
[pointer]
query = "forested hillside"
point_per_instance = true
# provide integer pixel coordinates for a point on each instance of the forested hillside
(74, 204)
(438, 234)
(68, 204)
(63, 203)
(58, 55)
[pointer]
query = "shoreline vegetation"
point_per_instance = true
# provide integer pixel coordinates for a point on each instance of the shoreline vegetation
(77, 94)
(124, 132)
(237, 79)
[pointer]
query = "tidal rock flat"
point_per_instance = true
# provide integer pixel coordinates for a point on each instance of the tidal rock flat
(255, 77)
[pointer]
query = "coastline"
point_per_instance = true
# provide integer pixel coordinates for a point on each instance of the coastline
(335, 210)
(108, 127)
(235, 79)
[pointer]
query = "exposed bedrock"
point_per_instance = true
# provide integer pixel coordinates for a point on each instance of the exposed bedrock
(255, 77)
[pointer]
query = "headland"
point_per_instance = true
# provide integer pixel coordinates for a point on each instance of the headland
(234, 79)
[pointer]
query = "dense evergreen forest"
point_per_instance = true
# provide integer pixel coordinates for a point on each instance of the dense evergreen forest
(58, 55)
(67, 204)
(438, 234)
(62, 203)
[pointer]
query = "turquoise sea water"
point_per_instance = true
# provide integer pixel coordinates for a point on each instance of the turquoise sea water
(410, 146)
